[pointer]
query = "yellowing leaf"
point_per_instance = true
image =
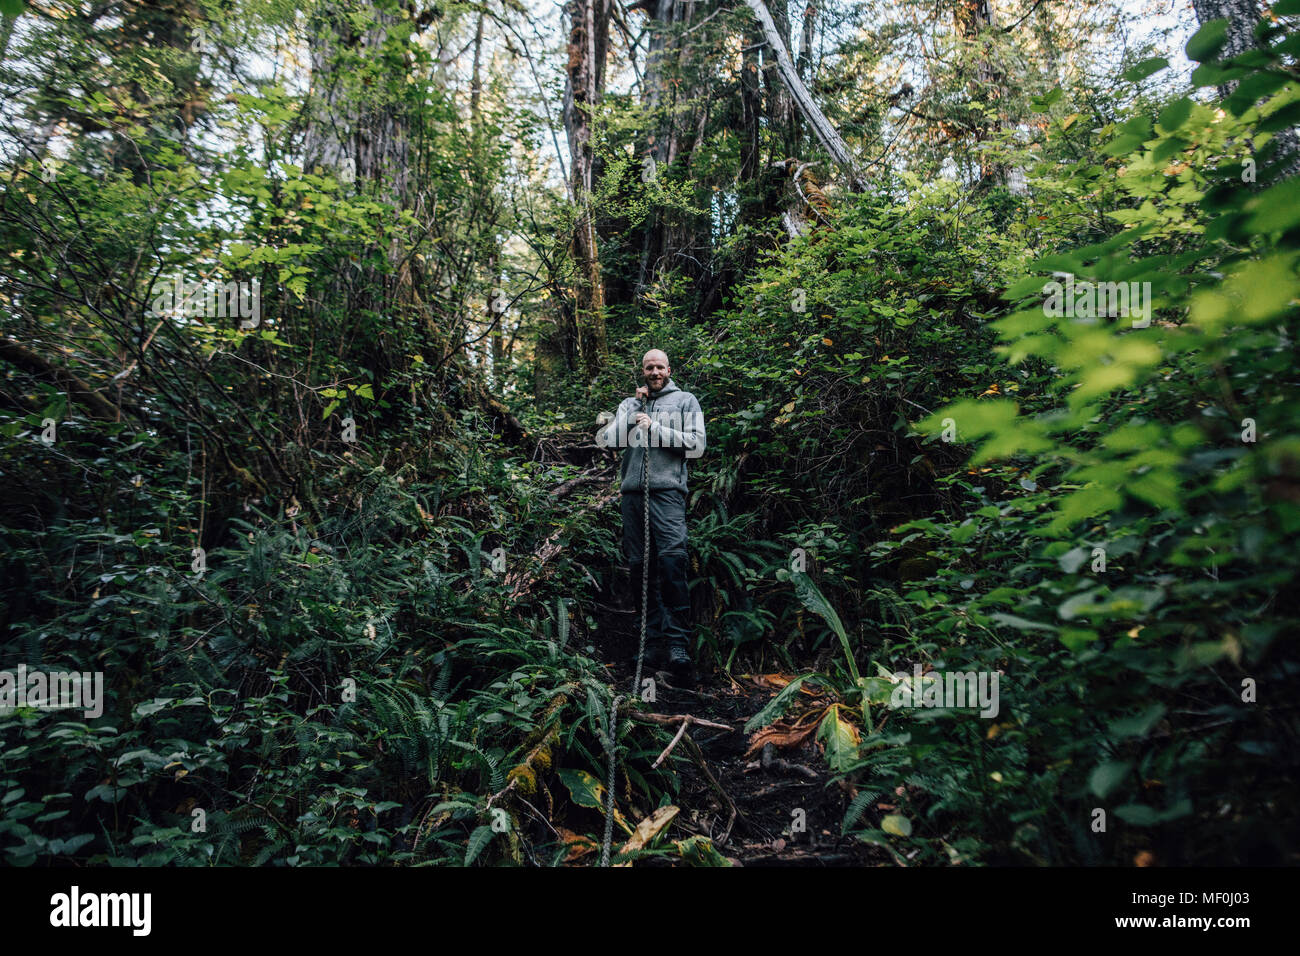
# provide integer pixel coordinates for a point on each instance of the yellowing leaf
(840, 738)
(587, 791)
(897, 824)
(700, 851)
(647, 830)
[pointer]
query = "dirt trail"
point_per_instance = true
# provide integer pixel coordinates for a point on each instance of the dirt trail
(768, 791)
(765, 789)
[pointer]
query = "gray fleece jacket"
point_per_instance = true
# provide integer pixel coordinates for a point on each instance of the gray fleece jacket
(676, 434)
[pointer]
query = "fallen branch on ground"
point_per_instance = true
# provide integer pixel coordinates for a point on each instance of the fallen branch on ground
(674, 718)
(717, 787)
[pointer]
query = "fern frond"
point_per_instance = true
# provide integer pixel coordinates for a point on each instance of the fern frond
(479, 839)
(856, 808)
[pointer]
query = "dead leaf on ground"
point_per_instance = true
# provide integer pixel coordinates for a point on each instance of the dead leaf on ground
(578, 844)
(771, 681)
(648, 829)
(779, 681)
(785, 732)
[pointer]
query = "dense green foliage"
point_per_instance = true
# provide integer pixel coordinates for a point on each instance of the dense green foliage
(388, 650)
(1118, 549)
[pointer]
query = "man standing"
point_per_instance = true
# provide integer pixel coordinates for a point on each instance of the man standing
(665, 422)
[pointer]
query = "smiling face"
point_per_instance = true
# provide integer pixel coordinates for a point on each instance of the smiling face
(655, 370)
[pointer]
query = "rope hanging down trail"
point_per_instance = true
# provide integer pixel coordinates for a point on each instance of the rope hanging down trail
(611, 744)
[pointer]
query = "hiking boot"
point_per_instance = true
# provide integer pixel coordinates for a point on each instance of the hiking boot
(656, 656)
(678, 662)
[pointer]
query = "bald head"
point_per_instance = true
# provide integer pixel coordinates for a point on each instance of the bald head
(655, 369)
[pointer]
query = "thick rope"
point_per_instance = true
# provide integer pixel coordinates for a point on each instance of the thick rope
(610, 744)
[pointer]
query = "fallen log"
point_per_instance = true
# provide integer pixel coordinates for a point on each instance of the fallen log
(77, 389)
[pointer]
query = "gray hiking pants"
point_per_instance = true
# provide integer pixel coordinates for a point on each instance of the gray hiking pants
(669, 615)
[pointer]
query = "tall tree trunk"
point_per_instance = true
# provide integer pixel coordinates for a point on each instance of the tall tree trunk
(346, 133)
(657, 147)
(827, 135)
(677, 129)
(751, 105)
(661, 12)
(476, 78)
(975, 20)
(782, 113)
(588, 42)
(805, 44)
(494, 311)
(1242, 17)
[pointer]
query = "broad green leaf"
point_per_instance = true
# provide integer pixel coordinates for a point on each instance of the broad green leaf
(146, 708)
(1077, 638)
(1107, 776)
(1137, 814)
(480, 838)
(1207, 41)
(1148, 67)
(1259, 291)
(840, 738)
(1020, 623)
(776, 706)
(700, 851)
(1074, 559)
(647, 830)
(1252, 89)
(585, 789)
(1124, 602)
(897, 825)
(1276, 208)
(813, 599)
(1175, 114)
(1086, 503)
